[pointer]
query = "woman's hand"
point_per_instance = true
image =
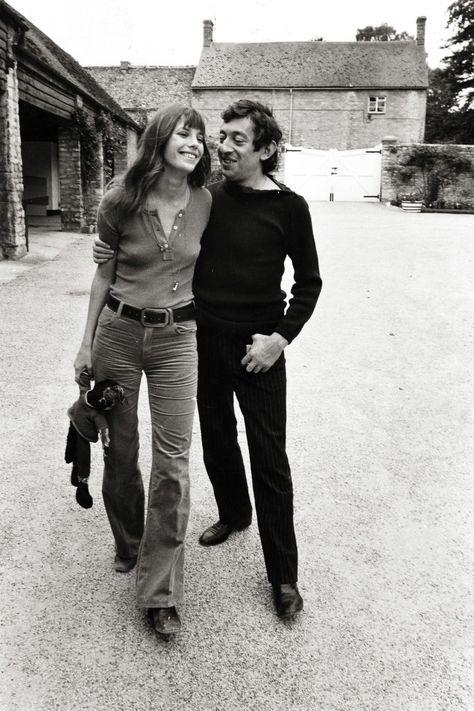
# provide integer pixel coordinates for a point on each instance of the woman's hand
(83, 362)
(101, 251)
(103, 278)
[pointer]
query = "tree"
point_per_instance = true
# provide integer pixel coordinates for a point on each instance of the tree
(450, 104)
(381, 33)
(461, 43)
(440, 118)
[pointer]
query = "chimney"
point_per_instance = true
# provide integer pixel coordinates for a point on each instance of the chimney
(208, 27)
(420, 30)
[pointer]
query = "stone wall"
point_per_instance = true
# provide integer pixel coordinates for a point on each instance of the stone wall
(72, 200)
(326, 119)
(131, 143)
(140, 91)
(313, 118)
(460, 191)
(80, 202)
(12, 216)
(93, 192)
(125, 156)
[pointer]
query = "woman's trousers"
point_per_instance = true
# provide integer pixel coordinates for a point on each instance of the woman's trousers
(123, 350)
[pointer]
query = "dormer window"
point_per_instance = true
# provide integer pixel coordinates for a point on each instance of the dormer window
(377, 104)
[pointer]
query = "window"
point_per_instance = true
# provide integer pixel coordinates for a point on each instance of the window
(377, 104)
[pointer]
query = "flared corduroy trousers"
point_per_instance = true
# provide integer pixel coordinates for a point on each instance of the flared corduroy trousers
(123, 350)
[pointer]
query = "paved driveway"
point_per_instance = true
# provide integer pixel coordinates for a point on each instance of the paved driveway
(380, 435)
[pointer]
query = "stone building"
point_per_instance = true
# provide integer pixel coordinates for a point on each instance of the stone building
(335, 101)
(326, 95)
(140, 91)
(57, 126)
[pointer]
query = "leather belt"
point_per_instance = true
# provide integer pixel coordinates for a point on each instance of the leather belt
(153, 317)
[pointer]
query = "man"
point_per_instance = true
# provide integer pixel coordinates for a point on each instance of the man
(242, 332)
(243, 329)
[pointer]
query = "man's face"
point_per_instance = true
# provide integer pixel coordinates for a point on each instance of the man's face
(239, 160)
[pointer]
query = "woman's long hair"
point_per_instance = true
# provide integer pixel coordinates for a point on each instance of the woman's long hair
(141, 176)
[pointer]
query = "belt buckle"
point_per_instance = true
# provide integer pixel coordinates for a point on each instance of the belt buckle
(165, 312)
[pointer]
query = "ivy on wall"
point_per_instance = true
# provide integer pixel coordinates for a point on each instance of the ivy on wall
(91, 129)
(112, 141)
(90, 145)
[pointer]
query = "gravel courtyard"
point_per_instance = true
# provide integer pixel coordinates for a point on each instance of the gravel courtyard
(380, 438)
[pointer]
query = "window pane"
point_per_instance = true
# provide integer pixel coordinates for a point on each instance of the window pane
(377, 104)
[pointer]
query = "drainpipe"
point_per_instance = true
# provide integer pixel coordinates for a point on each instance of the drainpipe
(291, 116)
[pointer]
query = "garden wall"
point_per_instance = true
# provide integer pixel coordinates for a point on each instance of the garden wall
(457, 191)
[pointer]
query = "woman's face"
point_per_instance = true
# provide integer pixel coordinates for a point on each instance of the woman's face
(184, 149)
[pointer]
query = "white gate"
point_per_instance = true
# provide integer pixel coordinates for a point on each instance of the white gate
(334, 175)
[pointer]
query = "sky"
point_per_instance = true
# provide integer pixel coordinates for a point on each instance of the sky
(169, 32)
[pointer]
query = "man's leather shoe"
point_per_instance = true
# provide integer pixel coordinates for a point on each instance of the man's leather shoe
(165, 620)
(220, 532)
(125, 565)
(288, 601)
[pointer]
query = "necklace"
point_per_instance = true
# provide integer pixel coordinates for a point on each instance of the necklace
(178, 229)
(164, 241)
(181, 214)
(165, 244)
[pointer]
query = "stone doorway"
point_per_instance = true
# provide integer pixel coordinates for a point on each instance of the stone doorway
(39, 150)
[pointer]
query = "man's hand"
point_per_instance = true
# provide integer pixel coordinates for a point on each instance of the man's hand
(264, 352)
(101, 252)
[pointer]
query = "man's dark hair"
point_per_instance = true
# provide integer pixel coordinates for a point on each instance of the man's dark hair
(265, 127)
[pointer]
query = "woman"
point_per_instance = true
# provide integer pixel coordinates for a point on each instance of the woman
(141, 320)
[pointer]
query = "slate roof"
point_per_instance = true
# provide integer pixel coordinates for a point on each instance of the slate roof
(145, 87)
(312, 65)
(42, 50)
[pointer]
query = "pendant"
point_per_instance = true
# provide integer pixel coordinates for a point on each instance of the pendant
(168, 255)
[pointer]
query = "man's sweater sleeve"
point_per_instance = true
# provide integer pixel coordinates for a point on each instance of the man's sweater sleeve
(307, 283)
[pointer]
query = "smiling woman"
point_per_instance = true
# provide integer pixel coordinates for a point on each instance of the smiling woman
(141, 319)
(185, 146)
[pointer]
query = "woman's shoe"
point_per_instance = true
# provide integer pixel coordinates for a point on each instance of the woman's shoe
(165, 620)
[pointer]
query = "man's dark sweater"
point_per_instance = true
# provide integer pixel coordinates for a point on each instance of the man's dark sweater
(237, 280)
